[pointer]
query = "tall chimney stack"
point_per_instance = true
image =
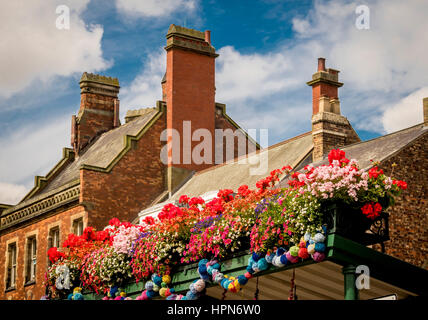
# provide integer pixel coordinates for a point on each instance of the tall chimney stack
(330, 129)
(189, 90)
(99, 109)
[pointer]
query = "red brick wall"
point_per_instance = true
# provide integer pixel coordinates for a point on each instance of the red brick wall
(92, 123)
(319, 90)
(133, 183)
(190, 94)
(408, 222)
(41, 230)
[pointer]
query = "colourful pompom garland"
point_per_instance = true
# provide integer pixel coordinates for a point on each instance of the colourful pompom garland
(209, 271)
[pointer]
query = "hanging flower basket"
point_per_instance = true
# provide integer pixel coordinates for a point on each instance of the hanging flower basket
(347, 221)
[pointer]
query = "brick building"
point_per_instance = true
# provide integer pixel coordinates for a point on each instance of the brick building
(113, 169)
(116, 170)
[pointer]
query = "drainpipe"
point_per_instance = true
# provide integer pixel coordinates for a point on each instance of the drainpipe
(351, 291)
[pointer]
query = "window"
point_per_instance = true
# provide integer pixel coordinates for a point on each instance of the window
(53, 240)
(78, 226)
(31, 259)
(11, 266)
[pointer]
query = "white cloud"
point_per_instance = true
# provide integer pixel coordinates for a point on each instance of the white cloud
(154, 8)
(32, 48)
(12, 193)
(146, 88)
(379, 67)
(406, 112)
(32, 150)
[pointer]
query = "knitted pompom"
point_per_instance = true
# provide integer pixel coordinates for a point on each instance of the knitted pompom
(250, 270)
(167, 292)
(250, 261)
(319, 237)
(216, 266)
(277, 261)
(291, 258)
(139, 298)
(319, 247)
(70, 296)
(149, 285)
(199, 285)
(191, 296)
(262, 264)
(203, 262)
(156, 288)
(283, 259)
(192, 288)
(269, 257)
(248, 275)
(307, 236)
(107, 298)
(311, 241)
(210, 270)
(166, 278)
(163, 285)
(231, 287)
(118, 298)
(237, 285)
(123, 294)
(318, 256)
(303, 253)
(202, 269)
(256, 257)
(242, 280)
(294, 251)
(150, 294)
(280, 251)
(157, 280)
(255, 267)
(222, 282)
(172, 297)
(144, 295)
(162, 292)
(183, 298)
(218, 277)
(311, 249)
(302, 244)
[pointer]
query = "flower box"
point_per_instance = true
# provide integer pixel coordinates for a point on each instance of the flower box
(347, 221)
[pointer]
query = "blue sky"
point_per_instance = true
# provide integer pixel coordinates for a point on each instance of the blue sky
(268, 50)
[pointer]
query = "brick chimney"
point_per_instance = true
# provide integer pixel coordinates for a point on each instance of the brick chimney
(189, 90)
(330, 130)
(99, 109)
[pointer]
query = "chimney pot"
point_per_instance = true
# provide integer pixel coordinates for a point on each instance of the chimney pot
(208, 36)
(321, 64)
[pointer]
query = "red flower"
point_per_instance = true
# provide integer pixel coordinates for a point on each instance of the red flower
(372, 210)
(226, 195)
(375, 172)
(54, 255)
(401, 184)
(243, 190)
(339, 155)
(195, 201)
(114, 222)
(183, 199)
(89, 234)
(149, 220)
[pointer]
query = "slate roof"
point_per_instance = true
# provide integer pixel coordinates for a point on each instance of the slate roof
(233, 174)
(377, 149)
(102, 151)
